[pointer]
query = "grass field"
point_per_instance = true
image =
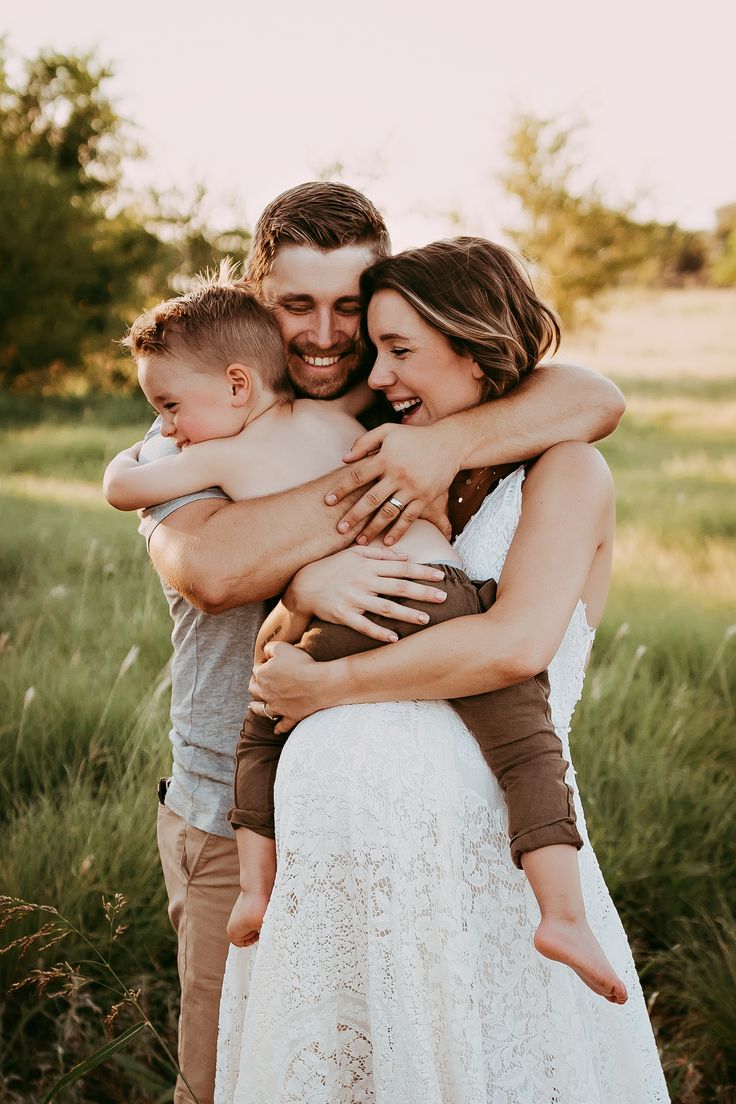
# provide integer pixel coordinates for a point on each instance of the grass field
(84, 647)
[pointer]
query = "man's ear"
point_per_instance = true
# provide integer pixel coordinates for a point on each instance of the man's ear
(240, 380)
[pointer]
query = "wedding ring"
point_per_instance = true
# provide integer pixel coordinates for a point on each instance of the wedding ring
(269, 714)
(395, 502)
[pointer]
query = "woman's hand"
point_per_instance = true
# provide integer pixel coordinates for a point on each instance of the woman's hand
(412, 464)
(290, 685)
(344, 587)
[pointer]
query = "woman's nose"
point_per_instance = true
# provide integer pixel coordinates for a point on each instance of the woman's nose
(381, 375)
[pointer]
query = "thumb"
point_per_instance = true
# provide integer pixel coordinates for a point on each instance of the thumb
(366, 444)
(436, 512)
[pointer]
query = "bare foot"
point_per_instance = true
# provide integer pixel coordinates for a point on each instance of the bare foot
(244, 925)
(573, 943)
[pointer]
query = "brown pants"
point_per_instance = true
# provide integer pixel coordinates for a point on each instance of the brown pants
(513, 727)
(202, 882)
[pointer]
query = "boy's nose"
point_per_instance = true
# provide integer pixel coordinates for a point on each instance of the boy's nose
(167, 428)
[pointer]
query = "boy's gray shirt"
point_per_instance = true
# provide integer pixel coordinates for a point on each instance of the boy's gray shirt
(210, 672)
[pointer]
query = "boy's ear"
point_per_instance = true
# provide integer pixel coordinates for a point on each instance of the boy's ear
(240, 379)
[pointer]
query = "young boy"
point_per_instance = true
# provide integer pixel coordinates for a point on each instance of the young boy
(212, 365)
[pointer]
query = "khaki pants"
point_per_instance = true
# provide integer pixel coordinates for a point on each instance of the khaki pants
(202, 881)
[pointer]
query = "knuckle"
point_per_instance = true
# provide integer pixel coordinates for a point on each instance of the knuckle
(356, 477)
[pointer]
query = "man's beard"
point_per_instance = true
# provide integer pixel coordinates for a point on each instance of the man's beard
(313, 383)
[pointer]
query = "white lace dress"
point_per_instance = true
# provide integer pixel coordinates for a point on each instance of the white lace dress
(395, 964)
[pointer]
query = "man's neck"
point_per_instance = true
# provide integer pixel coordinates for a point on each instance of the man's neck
(357, 400)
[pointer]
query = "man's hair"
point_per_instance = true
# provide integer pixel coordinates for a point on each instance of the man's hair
(479, 296)
(322, 214)
(217, 323)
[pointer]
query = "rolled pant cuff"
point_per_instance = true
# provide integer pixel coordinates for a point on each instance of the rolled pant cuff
(545, 835)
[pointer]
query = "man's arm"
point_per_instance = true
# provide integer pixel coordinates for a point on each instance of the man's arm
(224, 554)
(416, 465)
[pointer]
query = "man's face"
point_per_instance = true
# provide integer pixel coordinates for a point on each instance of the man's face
(314, 296)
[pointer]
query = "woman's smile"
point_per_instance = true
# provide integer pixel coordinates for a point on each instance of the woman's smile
(416, 367)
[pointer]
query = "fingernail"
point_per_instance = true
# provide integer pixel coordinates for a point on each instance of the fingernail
(392, 638)
(330, 499)
(389, 540)
(361, 539)
(438, 576)
(343, 527)
(424, 618)
(440, 595)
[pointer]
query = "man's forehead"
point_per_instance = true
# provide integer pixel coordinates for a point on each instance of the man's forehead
(301, 270)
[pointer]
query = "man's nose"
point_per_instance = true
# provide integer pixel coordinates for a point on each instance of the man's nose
(325, 332)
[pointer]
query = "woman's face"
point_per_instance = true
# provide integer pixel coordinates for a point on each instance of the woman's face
(421, 375)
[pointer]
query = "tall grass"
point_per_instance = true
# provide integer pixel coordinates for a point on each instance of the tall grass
(83, 654)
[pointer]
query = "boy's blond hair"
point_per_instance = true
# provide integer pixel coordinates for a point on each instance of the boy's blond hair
(217, 323)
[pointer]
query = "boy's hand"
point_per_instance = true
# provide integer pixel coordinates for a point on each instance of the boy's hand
(132, 453)
(244, 925)
(412, 464)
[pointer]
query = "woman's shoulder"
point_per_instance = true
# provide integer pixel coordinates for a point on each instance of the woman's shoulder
(570, 464)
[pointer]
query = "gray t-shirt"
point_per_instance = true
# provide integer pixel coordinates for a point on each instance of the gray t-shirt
(210, 671)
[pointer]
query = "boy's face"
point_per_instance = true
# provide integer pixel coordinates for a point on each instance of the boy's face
(194, 406)
(315, 298)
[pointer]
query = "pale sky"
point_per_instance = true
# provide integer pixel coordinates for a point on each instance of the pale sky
(414, 98)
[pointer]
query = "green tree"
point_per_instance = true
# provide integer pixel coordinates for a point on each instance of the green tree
(77, 262)
(723, 271)
(581, 243)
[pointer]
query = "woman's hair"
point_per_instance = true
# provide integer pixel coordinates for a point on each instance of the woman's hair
(479, 296)
(218, 322)
(323, 214)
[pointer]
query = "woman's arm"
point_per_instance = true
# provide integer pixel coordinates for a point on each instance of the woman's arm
(566, 518)
(343, 587)
(130, 485)
(417, 464)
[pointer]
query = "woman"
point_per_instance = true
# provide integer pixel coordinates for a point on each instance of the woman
(396, 961)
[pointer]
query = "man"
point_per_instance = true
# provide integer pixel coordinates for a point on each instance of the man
(220, 557)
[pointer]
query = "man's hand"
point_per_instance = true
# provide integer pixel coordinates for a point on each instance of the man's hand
(290, 685)
(413, 464)
(343, 587)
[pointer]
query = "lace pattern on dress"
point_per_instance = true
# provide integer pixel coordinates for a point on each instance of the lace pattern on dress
(396, 964)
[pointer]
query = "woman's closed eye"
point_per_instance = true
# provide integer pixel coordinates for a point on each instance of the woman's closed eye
(399, 351)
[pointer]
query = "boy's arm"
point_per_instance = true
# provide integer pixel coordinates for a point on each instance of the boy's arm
(415, 465)
(130, 485)
(281, 624)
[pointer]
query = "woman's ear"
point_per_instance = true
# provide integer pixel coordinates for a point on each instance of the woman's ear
(239, 378)
(476, 369)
